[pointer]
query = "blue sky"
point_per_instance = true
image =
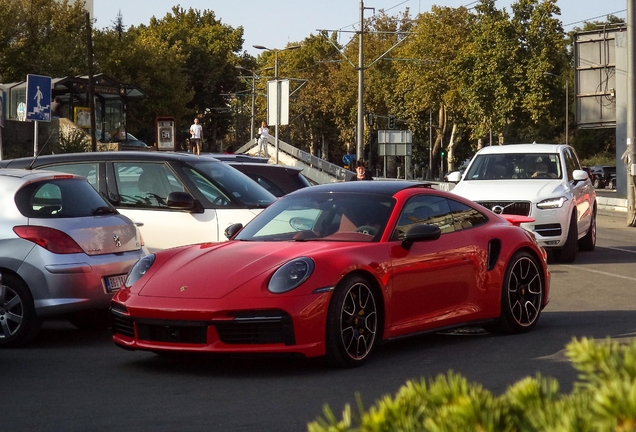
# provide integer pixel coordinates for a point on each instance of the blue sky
(274, 23)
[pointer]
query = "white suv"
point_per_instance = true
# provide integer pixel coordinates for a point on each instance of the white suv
(543, 181)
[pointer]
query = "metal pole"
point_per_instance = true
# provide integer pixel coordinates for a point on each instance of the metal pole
(91, 83)
(430, 144)
(277, 103)
(360, 129)
(253, 106)
(631, 112)
(567, 111)
(35, 138)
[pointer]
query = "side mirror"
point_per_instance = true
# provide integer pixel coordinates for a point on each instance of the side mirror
(580, 175)
(455, 177)
(183, 201)
(233, 230)
(421, 232)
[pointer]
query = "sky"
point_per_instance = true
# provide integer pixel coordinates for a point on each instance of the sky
(275, 23)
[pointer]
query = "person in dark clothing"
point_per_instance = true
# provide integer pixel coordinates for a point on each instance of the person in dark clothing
(361, 172)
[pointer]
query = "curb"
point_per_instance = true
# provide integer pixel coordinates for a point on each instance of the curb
(615, 204)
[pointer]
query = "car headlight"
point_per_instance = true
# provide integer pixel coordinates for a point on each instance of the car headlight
(139, 269)
(290, 275)
(552, 203)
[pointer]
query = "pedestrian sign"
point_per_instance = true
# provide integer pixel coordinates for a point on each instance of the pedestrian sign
(38, 98)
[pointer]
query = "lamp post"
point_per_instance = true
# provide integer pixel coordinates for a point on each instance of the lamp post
(276, 51)
(567, 109)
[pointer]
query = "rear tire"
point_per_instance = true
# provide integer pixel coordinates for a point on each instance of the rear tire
(19, 323)
(352, 322)
(567, 253)
(521, 295)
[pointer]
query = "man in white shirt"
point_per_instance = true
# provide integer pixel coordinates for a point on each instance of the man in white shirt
(263, 135)
(196, 135)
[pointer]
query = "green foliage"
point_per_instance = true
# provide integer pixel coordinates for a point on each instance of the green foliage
(73, 140)
(603, 400)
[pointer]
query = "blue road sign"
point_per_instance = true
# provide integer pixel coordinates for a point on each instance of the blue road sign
(38, 98)
(348, 158)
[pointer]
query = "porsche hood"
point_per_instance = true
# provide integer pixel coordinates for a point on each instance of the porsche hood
(213, 270)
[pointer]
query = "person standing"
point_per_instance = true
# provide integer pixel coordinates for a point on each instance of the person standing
(361, 172)
(196, 135)
(56, 107)
(263, 138)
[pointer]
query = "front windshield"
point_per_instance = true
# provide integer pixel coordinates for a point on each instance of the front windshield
(509, 166)
(213, 178)
(322, 216)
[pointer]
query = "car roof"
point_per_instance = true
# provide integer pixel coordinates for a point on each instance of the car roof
(523, 148)
(31, 174)
(379, 187)
(107, 155)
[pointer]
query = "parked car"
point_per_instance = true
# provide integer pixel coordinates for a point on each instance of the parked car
(175, 198)
(279, 180)
(333, 270)
(129, 141)
(64, 250)
(604, 176)
(542, 181)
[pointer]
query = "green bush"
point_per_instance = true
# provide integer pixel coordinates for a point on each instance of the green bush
(73, 140)
(604, 399)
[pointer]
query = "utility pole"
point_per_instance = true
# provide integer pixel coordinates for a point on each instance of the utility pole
(91, 84)
(360, 128)
(631, 112)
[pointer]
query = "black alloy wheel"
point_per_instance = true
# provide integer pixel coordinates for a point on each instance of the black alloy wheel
(352, 322)
(522, 294)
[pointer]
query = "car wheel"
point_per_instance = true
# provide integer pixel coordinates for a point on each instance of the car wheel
(90, 320)
(521, 294)
(611, 185)
(598, 184)
(352, 323)
(588, 243)
(19, 323)
(567, 253)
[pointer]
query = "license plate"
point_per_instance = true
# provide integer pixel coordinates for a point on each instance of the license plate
(114, 283)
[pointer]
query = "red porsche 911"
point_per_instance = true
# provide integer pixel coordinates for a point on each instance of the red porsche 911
(333, 270)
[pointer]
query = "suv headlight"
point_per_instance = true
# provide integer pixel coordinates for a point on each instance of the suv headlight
(290, 275)
(552, 203)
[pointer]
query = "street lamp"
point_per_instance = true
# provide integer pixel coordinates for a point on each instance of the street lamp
(291, 47)
(567, 99)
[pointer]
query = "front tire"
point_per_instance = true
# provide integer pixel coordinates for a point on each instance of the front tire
(567, 253)
(588, 243)
(352, 322)
(19, 323)
(521, 294)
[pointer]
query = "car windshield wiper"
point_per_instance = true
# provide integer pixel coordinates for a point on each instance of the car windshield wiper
(104, 210)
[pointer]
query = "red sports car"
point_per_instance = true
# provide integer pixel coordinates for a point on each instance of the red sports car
(332, 270)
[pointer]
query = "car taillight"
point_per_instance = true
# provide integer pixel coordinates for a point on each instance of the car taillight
(50, 239)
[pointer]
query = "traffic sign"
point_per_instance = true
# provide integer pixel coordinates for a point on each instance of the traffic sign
(38, 98)
(348, 158)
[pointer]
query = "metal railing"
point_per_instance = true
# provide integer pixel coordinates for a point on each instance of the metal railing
(338, 172)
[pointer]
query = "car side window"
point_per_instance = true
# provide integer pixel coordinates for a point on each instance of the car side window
(268, 185)
(571, 163)
(88, 170)
(145, 184)
(424, 209)
(465, 216)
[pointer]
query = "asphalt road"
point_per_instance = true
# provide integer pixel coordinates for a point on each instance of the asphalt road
(73, 381)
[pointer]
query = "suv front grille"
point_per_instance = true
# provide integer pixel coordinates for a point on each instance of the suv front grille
(521, 208)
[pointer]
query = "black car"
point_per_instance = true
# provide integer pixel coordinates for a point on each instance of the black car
(604, 176)
(279, 180)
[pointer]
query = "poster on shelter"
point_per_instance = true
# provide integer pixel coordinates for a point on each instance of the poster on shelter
(83, 117)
